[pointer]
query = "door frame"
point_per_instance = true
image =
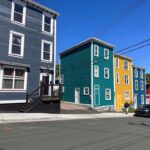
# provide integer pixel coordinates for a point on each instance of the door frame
(135, 101)
(97, 86)
(77, 101)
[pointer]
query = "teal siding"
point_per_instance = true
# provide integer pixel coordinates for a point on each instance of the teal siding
(101, 81)
(75, 67)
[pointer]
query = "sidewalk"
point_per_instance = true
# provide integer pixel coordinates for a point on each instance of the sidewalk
(33, 117)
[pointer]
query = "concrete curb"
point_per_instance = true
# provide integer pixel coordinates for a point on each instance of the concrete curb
(34, 117)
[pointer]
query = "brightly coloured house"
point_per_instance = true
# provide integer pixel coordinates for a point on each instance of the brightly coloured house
(148, 93)
(123, 81)
(87, 74)
(139, 87)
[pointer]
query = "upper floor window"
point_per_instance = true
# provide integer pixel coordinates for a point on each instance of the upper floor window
(47, 25)
(18, 13)
(126, 79)
(127, 95)
(136, 84)
(96, 50)
(136, 73)
(46, 51)
(126, 65)
(108, 94)
(142, 85)
(106, 53)
(106, 73)
(117, 78)
(96, 71)
(16, 44)
(141, 74)
(117, 62)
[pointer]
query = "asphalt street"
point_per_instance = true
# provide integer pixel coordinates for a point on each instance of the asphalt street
(94, 134)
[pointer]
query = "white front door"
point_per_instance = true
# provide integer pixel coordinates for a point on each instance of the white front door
(77, 95)
(135, 101)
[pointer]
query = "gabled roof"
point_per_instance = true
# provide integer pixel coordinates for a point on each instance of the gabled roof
(92, 39)
(39, 6)
(122, 56)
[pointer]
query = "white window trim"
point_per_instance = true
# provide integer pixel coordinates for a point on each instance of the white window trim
(42, 51)
(125, 79)
(96, 69)
(22, 44)
(24, 12)
(96, 50)
(136, 83)
(106, 57)
(84, 89)
(105, 94)
(124, 64)
(118, 63)
(108, 73)
(142, 85)
(125, 95)
(52, 23)
(13, 90)
(118, 78)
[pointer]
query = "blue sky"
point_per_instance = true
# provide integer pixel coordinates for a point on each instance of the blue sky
(81, 19)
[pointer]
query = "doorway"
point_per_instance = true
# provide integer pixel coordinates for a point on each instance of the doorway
(77, 95)
(97, 95)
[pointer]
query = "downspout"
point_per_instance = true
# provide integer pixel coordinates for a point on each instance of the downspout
(92, 81)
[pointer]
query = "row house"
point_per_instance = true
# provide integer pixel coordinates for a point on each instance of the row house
(27, 48)
(87, 74)
(148, 93)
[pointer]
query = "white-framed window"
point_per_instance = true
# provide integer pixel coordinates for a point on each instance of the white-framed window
(117, 78)
(126, 79)
(108, 94)
(126, 65)
(106, 53)
(16, 44)
(117, 62)
(127, 95)
(106, 73)
(86, 91)
(96, 71)
(136, 84)
(142, 99)
(13, 79)
(47, 48)
(141, 74)
(47, 23)
(96, 50)
(18, 12)
(142, 85)
(136, 73)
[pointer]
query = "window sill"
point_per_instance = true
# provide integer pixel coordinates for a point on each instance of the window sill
(13, 55)
(46, 61)
(47, 33)
(18, 23)
(12, 91)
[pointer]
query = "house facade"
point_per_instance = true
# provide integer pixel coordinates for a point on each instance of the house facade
(139, 87)
(147, 93)
(87, 74)
(27, 48)
(122, 81)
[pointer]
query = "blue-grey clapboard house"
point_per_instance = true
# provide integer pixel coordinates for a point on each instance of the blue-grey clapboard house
(139, 87)
(87, 74)
(27, 48)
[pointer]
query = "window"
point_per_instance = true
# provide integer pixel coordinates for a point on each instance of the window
(106, 53)
(126, 79)
(46, 51)
(126, 67)
(142, 99)
(106, 73)
(136, 85)
(47, 25)
(127, 96)
(117, 63)
(18, 13)
(14, 79)
(141, 74)
(16, 44)
(141, 85)
(86, 91)
(136, 73)
(96, 71)
(96, 50)
(108, 94)
(117, 78)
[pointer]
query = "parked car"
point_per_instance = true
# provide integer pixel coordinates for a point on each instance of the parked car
(143, 110)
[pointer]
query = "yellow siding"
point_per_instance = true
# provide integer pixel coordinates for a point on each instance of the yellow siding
(121, 88)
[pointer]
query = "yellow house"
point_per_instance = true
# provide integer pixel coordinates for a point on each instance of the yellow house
(123, 81)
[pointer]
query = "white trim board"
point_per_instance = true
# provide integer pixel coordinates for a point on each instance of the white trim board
(12, 101)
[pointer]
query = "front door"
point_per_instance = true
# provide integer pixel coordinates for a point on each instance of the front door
(97, 95)
(135, 101)
(77, 95)
(45, 85)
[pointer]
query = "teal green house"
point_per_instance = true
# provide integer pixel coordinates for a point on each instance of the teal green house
(87, 74)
